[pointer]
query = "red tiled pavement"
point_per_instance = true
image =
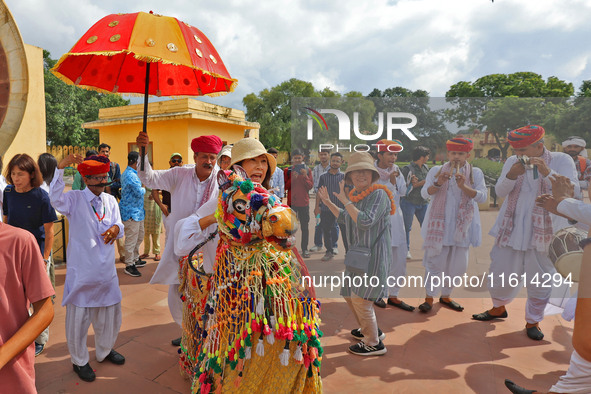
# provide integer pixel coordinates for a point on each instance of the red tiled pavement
(443, 351)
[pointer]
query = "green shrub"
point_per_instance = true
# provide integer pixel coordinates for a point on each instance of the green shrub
(489, 168)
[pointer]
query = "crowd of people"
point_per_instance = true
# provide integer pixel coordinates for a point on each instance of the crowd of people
(236, 197)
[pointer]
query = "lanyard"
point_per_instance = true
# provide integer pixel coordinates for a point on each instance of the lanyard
(100, 218)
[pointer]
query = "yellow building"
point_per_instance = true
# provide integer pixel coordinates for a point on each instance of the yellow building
(172, 124)
(485, 144)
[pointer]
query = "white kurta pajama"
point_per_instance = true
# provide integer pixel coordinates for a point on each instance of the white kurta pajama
(452, 261)
(399, 249)
(188, 234)
(91, 289)
(186, 195)
(519, 256)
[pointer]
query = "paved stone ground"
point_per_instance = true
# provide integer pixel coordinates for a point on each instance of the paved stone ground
(443, 351)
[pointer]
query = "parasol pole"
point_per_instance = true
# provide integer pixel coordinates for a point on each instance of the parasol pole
(145, 113)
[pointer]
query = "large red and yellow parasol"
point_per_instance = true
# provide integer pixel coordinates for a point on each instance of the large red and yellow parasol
(145, 53)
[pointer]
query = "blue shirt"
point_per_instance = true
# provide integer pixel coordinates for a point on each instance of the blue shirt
(132, 196)
(278, 183)
(332, 183)
(29, 211)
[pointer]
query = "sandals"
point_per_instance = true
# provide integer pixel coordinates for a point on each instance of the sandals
(534, 333)
(157, 257)
(402, 305)
(485, 316)
(452, 305)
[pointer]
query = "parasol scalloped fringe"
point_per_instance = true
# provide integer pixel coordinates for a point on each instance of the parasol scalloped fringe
(145, 58)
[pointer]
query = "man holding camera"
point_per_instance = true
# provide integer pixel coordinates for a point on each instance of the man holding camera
(524, 230)
(298, 182)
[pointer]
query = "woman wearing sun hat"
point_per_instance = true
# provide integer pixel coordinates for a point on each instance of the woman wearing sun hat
(366, 215)
(239, 357)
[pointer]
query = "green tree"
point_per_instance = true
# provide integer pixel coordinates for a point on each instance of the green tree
(67, 107)
(483, 104)
(282, 125)
(575, 120)
(430, 129)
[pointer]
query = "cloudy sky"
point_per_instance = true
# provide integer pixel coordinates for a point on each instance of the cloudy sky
(351, 45)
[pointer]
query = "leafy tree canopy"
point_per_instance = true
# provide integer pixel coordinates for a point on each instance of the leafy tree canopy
(490, 103)
(67, 107)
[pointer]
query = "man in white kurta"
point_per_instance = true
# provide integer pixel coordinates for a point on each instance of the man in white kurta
(91, 289)
(392, 178)
(452, 221)
(524, 230)
(195, 229)
(190, 187)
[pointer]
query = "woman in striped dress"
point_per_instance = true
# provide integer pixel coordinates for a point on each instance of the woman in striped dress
(366, 215)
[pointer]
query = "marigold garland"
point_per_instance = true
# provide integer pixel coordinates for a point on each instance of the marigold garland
(356, 197)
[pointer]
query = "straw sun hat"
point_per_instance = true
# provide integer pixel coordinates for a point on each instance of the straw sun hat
(361, 161)
(249, 148)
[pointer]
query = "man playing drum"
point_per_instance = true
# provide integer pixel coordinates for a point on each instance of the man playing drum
(523, 230)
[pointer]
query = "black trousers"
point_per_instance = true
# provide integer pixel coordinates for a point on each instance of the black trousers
(303, 215)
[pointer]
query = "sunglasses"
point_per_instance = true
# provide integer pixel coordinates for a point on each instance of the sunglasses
(177, 160)
(98, 178)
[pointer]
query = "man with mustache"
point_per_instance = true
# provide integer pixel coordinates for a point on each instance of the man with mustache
(523, 230)
(190, 187)
(91, 290)
(575, 147)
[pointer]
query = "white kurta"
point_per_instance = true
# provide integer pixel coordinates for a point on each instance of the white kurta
(577, 210)
(452, 205)
(396, 220)
(186, 193)
(561, 164)
(188, 234)
(91, 277)
(398, 234)
(577, 379)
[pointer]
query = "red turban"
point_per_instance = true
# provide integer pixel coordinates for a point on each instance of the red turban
(526, 135)
(94, 165)
(459, 144)
(207, 144)
(389, 146)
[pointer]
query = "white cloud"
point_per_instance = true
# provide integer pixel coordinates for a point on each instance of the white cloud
(351, 45)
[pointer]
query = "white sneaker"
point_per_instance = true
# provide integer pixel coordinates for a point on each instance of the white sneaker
(335, 251)
(408, 256)
(315, 248)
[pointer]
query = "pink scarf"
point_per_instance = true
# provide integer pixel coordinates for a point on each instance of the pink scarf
(542, 223)
(436, 222)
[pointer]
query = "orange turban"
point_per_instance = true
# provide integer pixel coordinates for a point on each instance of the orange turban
(389, 146)
(526, 135)
(94, 165)
(459, 144)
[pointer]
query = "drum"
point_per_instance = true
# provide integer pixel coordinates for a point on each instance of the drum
(565, 253)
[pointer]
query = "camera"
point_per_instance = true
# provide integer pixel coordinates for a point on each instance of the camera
(298, 167)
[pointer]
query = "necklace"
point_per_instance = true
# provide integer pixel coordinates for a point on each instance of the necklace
(354, 196)
(100, 218)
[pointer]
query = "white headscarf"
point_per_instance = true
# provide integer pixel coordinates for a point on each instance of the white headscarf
(576, 141)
